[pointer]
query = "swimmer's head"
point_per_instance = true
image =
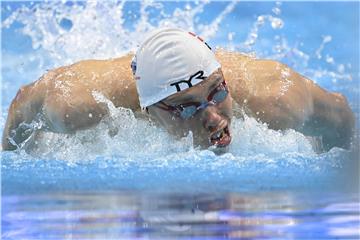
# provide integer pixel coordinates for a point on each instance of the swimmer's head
(181, 84)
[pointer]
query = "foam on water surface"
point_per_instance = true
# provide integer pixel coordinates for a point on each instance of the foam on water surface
(141, 155)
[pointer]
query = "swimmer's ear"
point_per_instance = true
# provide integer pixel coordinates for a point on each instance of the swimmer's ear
(133, 65)
(145, 110)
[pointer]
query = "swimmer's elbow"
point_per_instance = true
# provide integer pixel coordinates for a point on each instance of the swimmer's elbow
(6, 145)
(344, 121)
(347, 126)
(337, 127)
(10, 125)
(24, 108)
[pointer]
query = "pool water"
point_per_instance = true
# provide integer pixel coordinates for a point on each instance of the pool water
(134, 215)
(143, 183)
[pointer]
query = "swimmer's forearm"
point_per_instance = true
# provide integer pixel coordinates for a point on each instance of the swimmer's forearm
(14, 132)
(332, 118)
(24, 109)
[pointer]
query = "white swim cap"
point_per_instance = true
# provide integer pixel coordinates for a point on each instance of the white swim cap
(168, 61)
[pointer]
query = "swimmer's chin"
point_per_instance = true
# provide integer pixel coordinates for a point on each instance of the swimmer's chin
(218, 150)
(219, 147)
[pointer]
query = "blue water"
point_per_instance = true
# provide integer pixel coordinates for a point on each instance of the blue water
(142, 183)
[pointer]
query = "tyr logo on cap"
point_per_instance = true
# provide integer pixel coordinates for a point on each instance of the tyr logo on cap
(197, 75)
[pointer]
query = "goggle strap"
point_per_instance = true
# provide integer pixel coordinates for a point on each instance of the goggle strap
(166, 107)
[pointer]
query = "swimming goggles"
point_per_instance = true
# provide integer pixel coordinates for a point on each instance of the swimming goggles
(188, 110)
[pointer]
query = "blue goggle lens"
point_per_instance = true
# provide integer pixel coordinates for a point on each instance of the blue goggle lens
(220, 96)
(188, 112)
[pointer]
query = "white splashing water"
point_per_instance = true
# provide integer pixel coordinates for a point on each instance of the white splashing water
(63, 33)
(136, 137)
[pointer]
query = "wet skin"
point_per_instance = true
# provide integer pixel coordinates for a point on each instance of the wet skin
(206, 123)
(267, 90)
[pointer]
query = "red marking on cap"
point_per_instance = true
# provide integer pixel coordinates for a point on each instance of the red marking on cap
(193, 34)
(202, 40)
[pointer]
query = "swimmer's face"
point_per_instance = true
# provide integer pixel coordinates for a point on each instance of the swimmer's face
(205, 109)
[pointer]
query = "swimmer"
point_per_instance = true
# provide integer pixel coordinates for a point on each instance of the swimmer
(183, 86)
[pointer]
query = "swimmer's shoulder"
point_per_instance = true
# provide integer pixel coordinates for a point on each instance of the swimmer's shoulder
(232, 60)
(233, 65)
(95, 65)
(113, 68)
(103, 65)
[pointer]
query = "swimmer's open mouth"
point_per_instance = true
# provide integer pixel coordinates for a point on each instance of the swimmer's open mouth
(221, 138)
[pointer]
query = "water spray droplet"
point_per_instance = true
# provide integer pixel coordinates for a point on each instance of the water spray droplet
(341, 68)
(277, 23)
(327, 39)
(260, 20)
(276, 10)
(329, 59)
(231, 36)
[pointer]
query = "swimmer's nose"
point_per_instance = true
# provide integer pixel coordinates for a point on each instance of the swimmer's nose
(211, 118)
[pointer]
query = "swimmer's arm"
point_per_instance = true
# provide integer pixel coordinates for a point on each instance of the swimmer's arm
(314, 111)
(331, 118)
(287, 100)
(24, 109)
